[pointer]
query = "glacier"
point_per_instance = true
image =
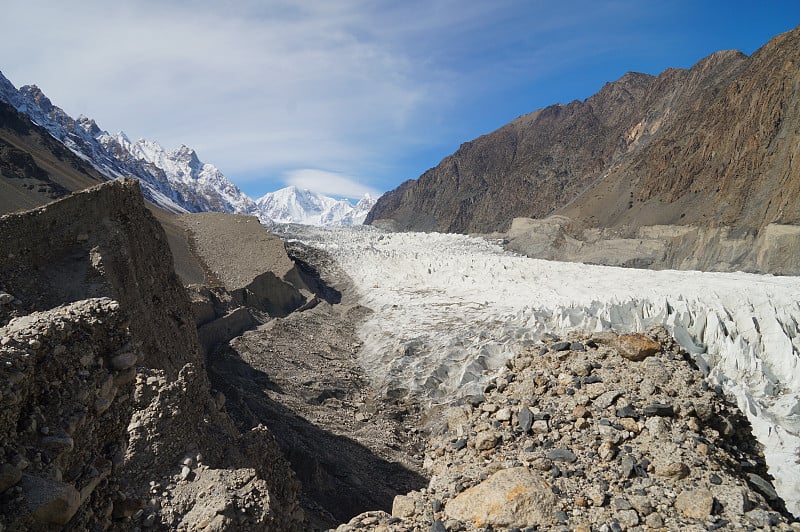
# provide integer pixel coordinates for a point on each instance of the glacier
(449, 310)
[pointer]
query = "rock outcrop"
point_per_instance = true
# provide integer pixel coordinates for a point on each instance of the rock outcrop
(108, 417)
(680, 247)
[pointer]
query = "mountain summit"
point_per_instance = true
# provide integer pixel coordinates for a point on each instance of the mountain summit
(302, 206)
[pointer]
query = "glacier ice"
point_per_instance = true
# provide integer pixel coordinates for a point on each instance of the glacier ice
(450, 309)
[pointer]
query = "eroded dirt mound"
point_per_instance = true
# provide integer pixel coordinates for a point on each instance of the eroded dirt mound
(108, 417)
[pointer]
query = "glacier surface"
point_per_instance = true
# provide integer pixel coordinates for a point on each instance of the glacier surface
(451, 309)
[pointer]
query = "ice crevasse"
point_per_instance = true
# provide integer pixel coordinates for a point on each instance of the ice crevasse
(451, 309)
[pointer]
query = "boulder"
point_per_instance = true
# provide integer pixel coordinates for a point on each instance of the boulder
(515, 497)
(637, 347)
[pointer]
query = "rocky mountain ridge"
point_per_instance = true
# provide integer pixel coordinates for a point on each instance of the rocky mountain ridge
(177, 180)
(106, 403)
(707, 147)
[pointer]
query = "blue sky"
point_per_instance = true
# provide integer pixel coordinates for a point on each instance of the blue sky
(350, 96)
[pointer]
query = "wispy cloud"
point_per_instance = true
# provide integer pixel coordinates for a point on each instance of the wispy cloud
(357, 87)
(331, 183)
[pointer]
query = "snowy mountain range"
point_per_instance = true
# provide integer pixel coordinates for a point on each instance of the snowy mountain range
(295, 205)
(177, 181)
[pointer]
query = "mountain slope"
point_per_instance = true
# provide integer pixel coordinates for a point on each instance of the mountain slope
(34, 167)
(727, 158)
(712, 144)
(176, 181)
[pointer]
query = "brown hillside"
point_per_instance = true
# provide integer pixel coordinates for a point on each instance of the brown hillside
(712, 145)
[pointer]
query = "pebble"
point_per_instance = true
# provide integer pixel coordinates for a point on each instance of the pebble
(658, 409)
(485, 441)
(504, 414)
(525, 419)
(561, 455)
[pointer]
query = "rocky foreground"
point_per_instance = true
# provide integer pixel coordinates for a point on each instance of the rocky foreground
(601, 433)
(129, 401)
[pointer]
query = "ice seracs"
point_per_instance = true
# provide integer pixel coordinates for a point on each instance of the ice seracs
(450, 309)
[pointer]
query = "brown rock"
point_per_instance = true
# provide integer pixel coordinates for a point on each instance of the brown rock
(49, 501)
(403, 506)
(515, 497)
(637, 347)
(697, 504)
(485, 441)
(676, 470)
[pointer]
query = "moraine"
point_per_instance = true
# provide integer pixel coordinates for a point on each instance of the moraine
(450, 309)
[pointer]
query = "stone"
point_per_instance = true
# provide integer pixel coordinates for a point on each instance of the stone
(438, 526)
(577, 346)
(656, 426)
(123, 360)
(763, 486)
(627, 467)
(676, 470)
(607, 399)
(9, 476)
(540, 427)
(628, 518)
(630, 425)
(696, 504)
(654, 520)
(658, 409)
(485, 440)
(403, 506)
(621, 503)
(627, 411)
(607, 450)
(515, 497)
(580, 411)
(504, 414)
(561, 346)
(637, 347)
(525, 419)
(459, 444)
(561, 455)
(48, 501)
(641, 504)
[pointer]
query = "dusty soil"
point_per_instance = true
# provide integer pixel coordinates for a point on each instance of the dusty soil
(299, 376)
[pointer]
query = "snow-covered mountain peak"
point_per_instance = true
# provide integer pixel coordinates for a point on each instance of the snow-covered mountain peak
(176, 180)
(295, 205)
(88, 125)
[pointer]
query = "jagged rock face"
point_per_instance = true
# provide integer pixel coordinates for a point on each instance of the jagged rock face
(643, 151)
(101, 242)
(105, 401)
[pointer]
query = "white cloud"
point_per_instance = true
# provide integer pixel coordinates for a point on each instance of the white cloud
(261, 86)
(250, 85)
(329, 183)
